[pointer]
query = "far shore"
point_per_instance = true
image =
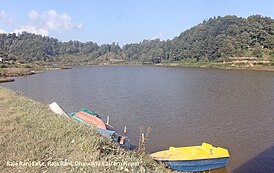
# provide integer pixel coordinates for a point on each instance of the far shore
(216, 66)
(209, 65)
(6, 74)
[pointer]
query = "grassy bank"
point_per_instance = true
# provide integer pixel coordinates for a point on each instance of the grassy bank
(36, 140)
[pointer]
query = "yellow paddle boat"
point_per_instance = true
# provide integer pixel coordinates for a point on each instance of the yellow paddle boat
(193, 158)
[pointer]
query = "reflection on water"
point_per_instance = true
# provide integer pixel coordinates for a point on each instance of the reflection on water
(219, 170)
(262, 163)
(183, 106)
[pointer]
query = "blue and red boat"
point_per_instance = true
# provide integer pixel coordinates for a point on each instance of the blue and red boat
(91, 118)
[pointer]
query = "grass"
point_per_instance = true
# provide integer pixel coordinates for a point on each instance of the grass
(35, 140)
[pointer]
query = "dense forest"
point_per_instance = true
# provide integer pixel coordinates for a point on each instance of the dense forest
(214, 39)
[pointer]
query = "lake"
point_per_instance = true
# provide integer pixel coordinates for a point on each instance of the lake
(233, 109)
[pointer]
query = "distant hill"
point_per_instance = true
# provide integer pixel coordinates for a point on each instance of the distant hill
(226, 36)
(213, 39)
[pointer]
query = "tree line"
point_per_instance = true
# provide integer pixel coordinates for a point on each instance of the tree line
(213, 39)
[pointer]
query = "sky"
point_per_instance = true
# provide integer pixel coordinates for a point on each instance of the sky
(119, 21)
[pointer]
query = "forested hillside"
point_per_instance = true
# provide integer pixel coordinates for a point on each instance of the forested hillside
(213, 39)
(30, 47)
(218, 37)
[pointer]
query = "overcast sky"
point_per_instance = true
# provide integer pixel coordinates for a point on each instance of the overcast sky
(122, 21)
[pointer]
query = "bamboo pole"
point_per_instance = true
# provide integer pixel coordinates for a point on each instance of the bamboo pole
(107, 120)
(125, 130)
(143, 138)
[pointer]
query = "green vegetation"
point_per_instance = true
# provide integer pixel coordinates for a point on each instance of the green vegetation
(215, 39)
(32, 136)
(229, 36)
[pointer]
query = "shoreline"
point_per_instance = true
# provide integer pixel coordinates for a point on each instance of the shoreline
(216, 66)
(205, 66)
(3, 80)
(7, 73)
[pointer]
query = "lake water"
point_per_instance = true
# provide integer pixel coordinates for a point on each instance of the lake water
(183, 106)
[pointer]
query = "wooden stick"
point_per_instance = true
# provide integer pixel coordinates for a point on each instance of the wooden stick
(107, 120)
(125, 129)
